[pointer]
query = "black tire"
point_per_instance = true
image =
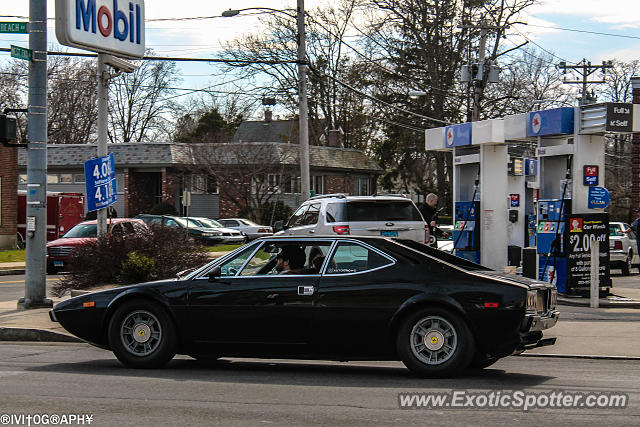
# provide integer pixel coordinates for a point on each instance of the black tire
(626, 266)
(482, 360)
(142, 317)
(460, 343)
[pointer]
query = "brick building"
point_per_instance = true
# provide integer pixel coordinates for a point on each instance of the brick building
(148, 173)
(8, 196)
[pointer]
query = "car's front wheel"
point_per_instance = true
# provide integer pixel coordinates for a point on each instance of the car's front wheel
(435, 342)
(142, 335)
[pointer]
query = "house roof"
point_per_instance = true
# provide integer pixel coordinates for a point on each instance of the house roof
(263, 131)
(136, 155)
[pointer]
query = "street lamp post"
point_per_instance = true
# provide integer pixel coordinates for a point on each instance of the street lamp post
(303, 108)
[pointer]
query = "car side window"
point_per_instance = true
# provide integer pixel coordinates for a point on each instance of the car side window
(311, 215)
(336, 212)
(298, 216)
(233, 265)
(171, 223)
(350, 257)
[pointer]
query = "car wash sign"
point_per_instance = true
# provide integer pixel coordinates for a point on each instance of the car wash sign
(115, 27)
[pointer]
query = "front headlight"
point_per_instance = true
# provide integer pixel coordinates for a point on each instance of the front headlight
(532, 300)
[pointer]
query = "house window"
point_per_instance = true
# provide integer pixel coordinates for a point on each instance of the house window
(212, 185)
(362, 186)
(78, 178)
(52, 179)
(291, 184)
(317, 184)
(66, 178)
(196, 183)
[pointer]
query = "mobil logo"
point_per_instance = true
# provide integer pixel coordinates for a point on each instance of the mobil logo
(110, 21)
(105, 26)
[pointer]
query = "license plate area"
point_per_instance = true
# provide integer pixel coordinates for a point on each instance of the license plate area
(389, 233)
(58, 263)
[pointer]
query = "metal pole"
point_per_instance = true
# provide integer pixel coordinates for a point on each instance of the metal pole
(103, 95)
(303, 107)
(35, 258)
(595, 273)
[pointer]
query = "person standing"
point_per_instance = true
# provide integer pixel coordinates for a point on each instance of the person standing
(634, 227)
(430, 213)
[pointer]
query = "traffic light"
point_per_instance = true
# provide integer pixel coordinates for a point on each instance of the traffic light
(8, 129)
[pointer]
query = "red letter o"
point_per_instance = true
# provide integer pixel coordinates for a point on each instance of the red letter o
(103, 11)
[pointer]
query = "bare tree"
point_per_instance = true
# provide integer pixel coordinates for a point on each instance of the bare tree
(72, 103)
(137, 108)
(248, 175)
(13, 86)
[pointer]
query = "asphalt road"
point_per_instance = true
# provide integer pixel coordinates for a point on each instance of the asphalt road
(12, 287)
(79, 379)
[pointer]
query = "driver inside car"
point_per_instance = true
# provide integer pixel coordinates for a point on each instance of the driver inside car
(290, 260)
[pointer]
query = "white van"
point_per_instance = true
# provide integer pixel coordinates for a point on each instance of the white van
(388, 215)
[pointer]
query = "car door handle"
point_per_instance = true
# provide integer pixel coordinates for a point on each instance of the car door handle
(305, 290)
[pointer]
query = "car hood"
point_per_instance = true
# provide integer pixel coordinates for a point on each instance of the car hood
(71, 241)
(529, 283)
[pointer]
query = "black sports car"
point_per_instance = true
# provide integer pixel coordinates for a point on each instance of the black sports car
(339, 298)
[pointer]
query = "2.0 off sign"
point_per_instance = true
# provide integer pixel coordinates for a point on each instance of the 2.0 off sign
(582, 230)
(100, 179)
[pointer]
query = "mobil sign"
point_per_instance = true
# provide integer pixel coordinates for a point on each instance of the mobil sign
(106, 26)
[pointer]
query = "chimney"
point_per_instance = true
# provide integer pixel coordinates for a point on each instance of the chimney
(635, 151)
(268, 115)
(335, 138)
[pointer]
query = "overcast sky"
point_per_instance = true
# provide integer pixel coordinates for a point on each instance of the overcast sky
(204, 38)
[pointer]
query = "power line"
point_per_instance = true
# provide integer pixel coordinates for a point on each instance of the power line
(581, 31)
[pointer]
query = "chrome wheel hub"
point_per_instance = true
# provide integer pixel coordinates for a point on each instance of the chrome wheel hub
(433, 340)
(141, 333)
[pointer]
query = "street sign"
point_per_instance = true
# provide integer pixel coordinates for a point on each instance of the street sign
(13, 27)
(103, 26)
(100, 181)
(598, 198)
(21, 53)
(590, 174)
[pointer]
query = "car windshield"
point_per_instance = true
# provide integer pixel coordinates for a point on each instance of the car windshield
(183, 222)
(209, 223)
(82, 230)
(382, 210)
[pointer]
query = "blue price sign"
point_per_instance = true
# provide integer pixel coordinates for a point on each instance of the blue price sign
(100, 179)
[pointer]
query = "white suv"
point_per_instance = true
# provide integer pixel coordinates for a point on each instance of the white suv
(390, 215)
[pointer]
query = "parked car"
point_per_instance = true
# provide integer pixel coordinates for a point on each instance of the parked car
(233, 236)
(350, 298)
(623, 251)
(59, 250)
(250, 228)
(338, 214)
(205, 235)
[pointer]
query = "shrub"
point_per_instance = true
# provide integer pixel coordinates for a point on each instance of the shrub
(102, 261)
(137, 268)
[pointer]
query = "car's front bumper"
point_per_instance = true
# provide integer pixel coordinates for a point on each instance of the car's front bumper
(540, 322)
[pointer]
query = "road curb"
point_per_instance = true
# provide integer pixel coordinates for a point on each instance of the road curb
(579, 356)
(11, 272)
(43, 335)
(584, 302)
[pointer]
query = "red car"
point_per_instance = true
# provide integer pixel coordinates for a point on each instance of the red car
(59, 250)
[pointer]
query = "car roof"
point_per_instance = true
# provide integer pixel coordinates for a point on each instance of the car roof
(326, 236)
(113, 221)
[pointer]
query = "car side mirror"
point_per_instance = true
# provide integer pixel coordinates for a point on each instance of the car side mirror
(215, 274)
(278, 226)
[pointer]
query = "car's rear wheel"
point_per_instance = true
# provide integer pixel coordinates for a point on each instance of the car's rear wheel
(435, 342)
(142, 335)
(626, 265)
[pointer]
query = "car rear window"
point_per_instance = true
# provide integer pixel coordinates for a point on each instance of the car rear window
(336, 212)
(383, 210)
(614, 230)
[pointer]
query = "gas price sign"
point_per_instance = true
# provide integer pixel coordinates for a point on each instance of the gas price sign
(100, 179)
(581, 230)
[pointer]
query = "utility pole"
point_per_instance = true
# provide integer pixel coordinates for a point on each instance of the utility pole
(36, 238)
(480, 73)
(103, 98)
(585, 69)
(303, 106)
